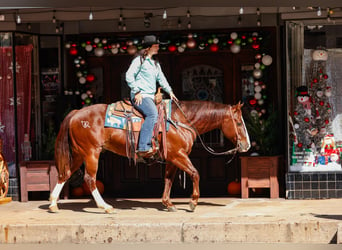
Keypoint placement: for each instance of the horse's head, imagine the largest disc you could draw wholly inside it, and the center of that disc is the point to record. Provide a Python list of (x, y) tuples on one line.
[(234, 128)]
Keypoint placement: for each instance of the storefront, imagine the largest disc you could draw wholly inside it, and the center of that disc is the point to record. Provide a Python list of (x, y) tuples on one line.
[(314, 95)]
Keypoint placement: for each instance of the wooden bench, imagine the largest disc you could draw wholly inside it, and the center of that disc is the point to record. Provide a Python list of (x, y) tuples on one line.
[(38, 176)]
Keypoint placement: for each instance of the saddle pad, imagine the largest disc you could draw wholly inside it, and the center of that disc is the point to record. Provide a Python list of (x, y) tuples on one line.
[(114, 119)]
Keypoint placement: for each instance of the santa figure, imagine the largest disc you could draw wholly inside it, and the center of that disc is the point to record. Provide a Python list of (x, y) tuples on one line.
[(328, 146), (304, 98)]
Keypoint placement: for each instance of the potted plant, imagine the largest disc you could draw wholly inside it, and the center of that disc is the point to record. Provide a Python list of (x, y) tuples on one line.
[(260, 168)]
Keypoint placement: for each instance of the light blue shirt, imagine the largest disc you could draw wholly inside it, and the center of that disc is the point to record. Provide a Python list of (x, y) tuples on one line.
[(142, 75)]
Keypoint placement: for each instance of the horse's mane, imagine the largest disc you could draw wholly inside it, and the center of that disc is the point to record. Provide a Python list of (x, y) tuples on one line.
[(203, 114)]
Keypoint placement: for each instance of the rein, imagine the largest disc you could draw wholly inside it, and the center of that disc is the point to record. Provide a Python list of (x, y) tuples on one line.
[(209, 149)]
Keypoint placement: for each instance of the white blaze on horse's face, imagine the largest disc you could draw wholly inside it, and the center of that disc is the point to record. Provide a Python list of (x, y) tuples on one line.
[(244, 145), (242, 138)]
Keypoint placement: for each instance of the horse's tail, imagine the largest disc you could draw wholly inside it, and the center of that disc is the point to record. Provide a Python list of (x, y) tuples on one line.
[(63, 150)]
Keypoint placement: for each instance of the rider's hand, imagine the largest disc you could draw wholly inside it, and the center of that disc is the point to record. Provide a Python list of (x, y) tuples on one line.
[(173, 97), (138, 98)]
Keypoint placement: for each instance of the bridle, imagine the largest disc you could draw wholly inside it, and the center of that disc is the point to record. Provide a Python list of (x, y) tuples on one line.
[(209, 149)]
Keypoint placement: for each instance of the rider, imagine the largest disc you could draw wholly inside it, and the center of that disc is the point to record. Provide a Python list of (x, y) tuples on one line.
[(142, 77)]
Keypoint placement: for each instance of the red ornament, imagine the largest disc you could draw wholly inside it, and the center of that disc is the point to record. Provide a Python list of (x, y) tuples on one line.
[(306, 119), (73, 51), (214, 47), (295, 113), (300, 145), (172, 48), (315, 80), (321, 103), (90, 78), (234, 187), (252, 102), (256, 46), (326, 121)]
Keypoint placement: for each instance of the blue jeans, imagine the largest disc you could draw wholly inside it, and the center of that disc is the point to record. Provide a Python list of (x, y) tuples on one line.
[(149, 110)]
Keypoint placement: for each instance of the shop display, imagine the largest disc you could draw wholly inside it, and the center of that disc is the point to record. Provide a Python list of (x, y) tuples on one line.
[(313, 141)]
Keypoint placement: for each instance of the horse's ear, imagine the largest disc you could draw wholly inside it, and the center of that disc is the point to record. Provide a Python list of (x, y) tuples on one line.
[(240, 104)]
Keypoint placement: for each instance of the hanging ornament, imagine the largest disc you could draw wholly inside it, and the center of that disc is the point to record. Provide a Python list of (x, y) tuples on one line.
[(256, 45), (99, 52), (84, 96), (296, 126), (257, 88), (257, 96), (319, 93), (88, 48), (321, 103), (252, 102), (114, 50), (258, 56), (320, 55), (96, 40), (172, 48), (306, 119), (191, 43), (233, 35), (90, 78), (267, 60), (234, 48), (328, 92), (214, 47), (325, 76), (82, 80), (323, 131), (257, 73), (73, 51), (132, 49), (300, 145)]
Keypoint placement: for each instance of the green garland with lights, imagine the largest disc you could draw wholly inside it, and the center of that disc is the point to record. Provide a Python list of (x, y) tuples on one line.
[(173, 43)]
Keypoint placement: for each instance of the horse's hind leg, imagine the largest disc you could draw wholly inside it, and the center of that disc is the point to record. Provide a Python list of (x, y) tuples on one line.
[(54, 196), (77, 161), (170, 172), (91, 163)]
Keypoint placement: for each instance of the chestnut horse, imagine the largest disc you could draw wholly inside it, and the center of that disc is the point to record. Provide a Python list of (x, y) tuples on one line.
[(82, 137)]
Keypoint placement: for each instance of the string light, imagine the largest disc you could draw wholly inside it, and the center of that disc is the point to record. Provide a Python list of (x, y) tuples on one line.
[(120, 17), (179, 23), (241, 11), (54, 17), (189, 25), (258, 19), (91, 17), (188, 15), (319, 11), (164, 14), (18, 19), (239, 21)]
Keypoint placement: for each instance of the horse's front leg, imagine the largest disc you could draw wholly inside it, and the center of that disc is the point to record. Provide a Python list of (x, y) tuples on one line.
[(182, 161), (170, 172)]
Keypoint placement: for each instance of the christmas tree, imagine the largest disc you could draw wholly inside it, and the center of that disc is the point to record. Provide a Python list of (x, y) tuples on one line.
[(312, 114)]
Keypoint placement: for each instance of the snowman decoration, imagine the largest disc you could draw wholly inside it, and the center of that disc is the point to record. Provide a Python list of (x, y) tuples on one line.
[(304, 98)]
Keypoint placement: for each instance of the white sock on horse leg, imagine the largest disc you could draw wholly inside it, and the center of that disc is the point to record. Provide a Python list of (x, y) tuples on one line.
[(98, 199), (57, 190)]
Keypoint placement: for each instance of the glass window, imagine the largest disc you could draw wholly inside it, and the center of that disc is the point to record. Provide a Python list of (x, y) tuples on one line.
[(314, 97)]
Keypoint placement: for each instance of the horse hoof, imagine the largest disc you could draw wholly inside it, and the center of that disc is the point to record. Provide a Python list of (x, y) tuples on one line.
[(110, 210), (53, 209), (192, 206), (172, 209)]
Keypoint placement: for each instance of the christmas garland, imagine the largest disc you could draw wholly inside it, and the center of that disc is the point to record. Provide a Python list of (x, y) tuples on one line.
[(177, 43)]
